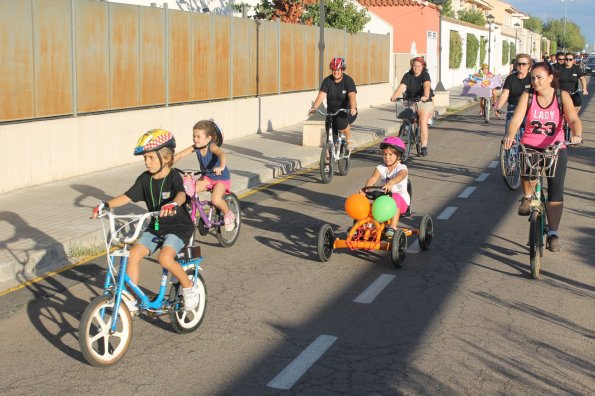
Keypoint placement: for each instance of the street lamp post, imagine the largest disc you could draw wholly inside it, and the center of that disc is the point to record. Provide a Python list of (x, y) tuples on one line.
[(564, 34), (516, 33), (439, 86), (490, 19)]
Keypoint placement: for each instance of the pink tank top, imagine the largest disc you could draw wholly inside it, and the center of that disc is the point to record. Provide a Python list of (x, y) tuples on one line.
[(543, 126)]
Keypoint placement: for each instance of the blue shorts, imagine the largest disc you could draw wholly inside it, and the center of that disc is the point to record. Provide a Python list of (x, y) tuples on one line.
[(171, 240)]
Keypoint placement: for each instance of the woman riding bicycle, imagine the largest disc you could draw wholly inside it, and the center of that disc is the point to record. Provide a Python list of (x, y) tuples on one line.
[(514, 85), (339, 90), (416, 84), (544, 127), (570, 75)]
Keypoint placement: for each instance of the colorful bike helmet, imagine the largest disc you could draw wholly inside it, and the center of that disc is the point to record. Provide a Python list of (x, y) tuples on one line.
[(154, 140), (394, 142), (338, 63)]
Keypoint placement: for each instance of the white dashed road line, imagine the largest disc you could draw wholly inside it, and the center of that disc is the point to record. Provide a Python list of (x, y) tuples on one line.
[(482, 177), (374, 289), (494, 164), (446, 213), (467, 192), (292, 373)]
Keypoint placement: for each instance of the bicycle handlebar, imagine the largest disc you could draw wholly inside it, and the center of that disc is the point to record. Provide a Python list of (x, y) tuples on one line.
[(332, 114), (139, 219), (412, 100)]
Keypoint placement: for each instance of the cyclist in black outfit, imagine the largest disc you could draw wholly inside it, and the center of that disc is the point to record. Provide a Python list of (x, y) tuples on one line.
[(339, 90), (570, 75), (514, 85)]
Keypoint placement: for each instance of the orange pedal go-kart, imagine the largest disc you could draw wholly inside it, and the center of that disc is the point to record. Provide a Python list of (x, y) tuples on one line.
[(370, 221)]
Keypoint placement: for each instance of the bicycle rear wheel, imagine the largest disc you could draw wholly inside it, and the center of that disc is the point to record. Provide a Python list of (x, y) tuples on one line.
[(407, 138), (326, 163), (510, 166), (344, 160), (188, 321), (535, 242)]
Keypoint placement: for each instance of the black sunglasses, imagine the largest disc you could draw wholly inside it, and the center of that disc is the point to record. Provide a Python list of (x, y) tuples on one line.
[(569, 59), (560, 59)]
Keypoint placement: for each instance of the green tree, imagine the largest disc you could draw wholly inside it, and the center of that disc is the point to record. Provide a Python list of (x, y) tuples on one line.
[(512, 51), (533, 24), (570, 38), (338, 14), (447, 9), (290, 11), (475, 17)]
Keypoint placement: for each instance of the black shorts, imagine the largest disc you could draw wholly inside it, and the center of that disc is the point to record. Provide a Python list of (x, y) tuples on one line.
[(577, 99), (341, 122)]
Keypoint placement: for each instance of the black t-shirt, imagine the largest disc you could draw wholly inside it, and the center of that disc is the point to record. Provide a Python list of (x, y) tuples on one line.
[(415, 85), (569, 77), (516, 86), (337, 93), (158, 192)]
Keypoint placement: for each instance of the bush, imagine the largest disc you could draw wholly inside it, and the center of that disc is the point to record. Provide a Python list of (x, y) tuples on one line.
[(512, 51), (505, 52), (472, 16), (456, 50), (472, 49), (483, 49)]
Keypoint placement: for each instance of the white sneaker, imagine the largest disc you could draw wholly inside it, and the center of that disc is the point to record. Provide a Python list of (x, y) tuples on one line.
[(191, 297), (229, 221), (130, 302)]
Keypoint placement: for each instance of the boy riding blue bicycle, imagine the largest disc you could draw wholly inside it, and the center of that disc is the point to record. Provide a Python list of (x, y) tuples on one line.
[(162, 190)]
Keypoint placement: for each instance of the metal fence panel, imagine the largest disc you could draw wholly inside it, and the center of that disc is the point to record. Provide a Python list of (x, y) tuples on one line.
[(221, 41), (16, 61), (268, 67), (92, 56), (241, 65), (202, 56), (152, 56), (52, 54), (179, 56), (124, 56)]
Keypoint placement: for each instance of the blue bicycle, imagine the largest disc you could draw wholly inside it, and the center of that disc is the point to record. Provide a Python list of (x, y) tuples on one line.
[(105, 330)]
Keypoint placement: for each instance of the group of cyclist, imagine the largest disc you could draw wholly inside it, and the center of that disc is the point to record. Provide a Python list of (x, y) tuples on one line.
[(540, 98)]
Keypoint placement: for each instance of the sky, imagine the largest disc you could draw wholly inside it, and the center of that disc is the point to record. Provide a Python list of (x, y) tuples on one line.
[(581, 12)]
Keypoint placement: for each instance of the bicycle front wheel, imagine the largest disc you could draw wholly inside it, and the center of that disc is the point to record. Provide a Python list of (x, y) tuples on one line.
[(510, 166), (487, 104), (405, 133), (101, 347), (228, 238), (535, 242), (326, 163)]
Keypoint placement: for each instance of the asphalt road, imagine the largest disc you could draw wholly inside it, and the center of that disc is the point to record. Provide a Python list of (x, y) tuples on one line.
[(463, 317)]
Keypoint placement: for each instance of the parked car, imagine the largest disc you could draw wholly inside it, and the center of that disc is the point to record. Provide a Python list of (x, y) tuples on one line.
[(590, 66)]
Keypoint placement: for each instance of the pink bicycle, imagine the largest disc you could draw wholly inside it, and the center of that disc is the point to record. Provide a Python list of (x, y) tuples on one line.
[(206, 217)]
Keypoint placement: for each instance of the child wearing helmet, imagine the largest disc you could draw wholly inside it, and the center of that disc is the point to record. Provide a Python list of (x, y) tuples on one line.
[(393, 174), (207, 139), (162, 190)]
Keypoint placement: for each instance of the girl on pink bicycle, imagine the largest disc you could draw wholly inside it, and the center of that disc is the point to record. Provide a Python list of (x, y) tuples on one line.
[(206, 138)]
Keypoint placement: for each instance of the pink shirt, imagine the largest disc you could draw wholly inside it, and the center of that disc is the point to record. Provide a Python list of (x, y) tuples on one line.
[(543, 126)]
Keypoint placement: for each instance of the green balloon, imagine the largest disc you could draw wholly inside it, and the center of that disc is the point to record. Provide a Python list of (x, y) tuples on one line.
[(384, 208)]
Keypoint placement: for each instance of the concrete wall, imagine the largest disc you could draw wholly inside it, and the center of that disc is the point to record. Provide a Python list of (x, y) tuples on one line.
[(453, 77), (41, 151)]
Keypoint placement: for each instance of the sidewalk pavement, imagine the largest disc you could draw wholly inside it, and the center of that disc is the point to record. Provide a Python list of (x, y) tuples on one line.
[(47, 227)]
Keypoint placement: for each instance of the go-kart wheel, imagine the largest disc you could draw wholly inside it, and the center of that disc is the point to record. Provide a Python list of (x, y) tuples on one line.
[(326, 241), (398, 248), (426, 232)]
